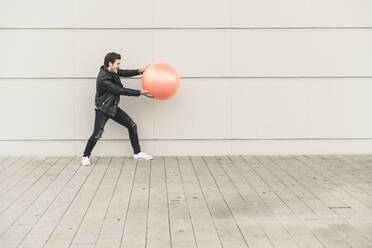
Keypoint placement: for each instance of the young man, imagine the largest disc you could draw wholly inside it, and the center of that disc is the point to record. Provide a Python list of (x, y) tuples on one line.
[(108, 91)]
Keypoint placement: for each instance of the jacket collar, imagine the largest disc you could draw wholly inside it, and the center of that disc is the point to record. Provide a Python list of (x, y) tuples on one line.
[(103, 67), (114, 76)]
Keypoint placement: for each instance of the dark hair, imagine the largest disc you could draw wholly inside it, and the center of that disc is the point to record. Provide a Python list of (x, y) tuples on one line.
[(111, 57)]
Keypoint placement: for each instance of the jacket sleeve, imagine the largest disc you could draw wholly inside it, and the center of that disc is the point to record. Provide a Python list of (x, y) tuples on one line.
[(128, 73), (116, 89)]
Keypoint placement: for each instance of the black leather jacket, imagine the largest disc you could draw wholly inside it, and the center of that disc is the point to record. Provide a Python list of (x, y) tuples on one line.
[(109, 88)]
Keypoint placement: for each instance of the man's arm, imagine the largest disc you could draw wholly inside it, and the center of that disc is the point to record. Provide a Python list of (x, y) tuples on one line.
[(128, 73), (116, 89)]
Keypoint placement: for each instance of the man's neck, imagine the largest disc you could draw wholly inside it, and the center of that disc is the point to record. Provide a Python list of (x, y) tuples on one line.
[(110, 70)]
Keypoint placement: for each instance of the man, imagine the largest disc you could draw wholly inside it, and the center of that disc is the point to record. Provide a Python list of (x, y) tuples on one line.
[(108, 91)]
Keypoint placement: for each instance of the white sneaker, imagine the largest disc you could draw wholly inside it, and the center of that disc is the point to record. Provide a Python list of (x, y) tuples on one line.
[(142, 156), (85, 161)]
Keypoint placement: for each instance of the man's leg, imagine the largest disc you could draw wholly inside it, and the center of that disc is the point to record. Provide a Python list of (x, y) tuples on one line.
[(99, 124), (123, 118)]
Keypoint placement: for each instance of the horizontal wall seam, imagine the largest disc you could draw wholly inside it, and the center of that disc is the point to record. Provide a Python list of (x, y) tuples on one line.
[(181, 28), (267, 139), (201, 77)]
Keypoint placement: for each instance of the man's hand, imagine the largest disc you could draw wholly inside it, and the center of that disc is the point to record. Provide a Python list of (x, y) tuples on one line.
[(143, 69), (146, 93)]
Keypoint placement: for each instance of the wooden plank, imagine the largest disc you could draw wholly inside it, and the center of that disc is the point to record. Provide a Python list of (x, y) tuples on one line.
[(278, 236), (38, 168), (63, 234), (268, 217), (53, 186), (344, 179), (318, 183), (285, 207), (48, 222), (212, 201), (158, 232), (182, 232), (204, 227), (113, 225), (91, 225), (15, 173), (7, 162), (13, 167), (228, 230), (135, 228), (316, 193), (363, 172)]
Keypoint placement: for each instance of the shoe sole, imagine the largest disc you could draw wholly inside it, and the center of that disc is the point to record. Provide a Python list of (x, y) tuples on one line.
[(143, 158)]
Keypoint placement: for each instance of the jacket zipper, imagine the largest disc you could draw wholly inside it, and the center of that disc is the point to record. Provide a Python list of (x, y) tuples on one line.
[(107, 99)]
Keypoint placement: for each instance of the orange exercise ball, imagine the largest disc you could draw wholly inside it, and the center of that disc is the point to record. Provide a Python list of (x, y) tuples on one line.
[(161, 80)]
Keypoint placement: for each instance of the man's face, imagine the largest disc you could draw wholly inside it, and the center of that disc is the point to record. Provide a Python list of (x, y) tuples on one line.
[(114, 67)]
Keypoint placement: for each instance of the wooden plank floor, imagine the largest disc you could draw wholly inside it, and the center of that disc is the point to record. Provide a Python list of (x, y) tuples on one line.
[(212, 202)]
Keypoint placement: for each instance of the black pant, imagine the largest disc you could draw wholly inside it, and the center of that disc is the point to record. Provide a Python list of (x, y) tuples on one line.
[(122, 118)]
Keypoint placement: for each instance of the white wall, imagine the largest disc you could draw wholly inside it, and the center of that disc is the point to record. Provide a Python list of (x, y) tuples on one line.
[(258, 76)]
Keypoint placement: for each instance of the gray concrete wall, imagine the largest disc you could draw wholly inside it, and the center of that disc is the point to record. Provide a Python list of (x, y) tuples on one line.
[(258, 77)]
